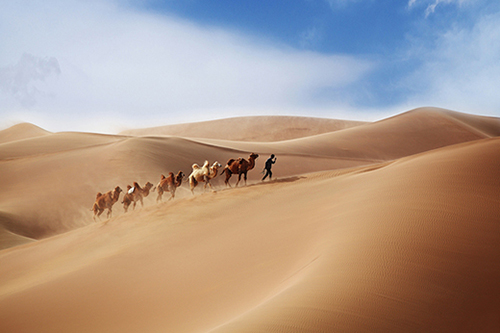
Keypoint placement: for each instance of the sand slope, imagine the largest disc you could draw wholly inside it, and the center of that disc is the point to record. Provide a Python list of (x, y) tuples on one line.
[(408, 244), (51, 180), (20, 132), (257, 128)]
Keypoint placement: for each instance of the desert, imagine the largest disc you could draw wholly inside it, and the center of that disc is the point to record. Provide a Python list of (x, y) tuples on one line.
[(382, 226)]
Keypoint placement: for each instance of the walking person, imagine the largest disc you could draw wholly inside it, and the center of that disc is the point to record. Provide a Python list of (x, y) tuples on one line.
[(268, 166)]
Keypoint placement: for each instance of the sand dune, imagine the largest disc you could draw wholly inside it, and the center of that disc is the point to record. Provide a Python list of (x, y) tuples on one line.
[(254, 129), (390, 226), (20, 132)]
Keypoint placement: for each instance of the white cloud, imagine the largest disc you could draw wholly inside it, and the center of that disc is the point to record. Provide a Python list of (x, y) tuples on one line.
[(462, 72), (19, 81), (144, 68)]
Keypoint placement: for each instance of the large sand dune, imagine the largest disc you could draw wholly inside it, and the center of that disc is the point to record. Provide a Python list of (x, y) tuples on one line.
[(390, 226), (256, 128)]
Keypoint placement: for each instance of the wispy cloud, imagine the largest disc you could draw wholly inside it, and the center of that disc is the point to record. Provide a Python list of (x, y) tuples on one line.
[(19, 81), (149, 68), (462, 69), (335, 4), (432, 4)]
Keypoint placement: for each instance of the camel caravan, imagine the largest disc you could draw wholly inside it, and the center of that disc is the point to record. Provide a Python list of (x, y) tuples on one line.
[(199, 174)]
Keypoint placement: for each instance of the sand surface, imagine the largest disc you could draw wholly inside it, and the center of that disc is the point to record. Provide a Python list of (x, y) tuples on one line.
[(390, 226)]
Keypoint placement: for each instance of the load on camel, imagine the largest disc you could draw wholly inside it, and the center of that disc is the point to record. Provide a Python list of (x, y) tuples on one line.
[(169, 183), (203, 174), (135, 193), (105, 201), (239, 166)]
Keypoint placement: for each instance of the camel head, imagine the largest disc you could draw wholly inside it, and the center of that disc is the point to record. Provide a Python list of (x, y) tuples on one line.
[(214, 169), (254, 156), (179, 178), (215, 166), (118, 189), (148, 185)]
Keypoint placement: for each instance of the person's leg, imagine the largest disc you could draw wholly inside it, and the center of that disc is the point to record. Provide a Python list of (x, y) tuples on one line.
[(267, 174)]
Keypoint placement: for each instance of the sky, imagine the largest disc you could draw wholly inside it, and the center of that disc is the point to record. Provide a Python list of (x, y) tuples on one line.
[(109, 65)]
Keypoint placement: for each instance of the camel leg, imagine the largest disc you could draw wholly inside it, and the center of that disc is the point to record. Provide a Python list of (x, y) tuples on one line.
[(239, 178), (192, 184), (160, 194), (172, 194), (206, 181), (99, 213), (228, 175)]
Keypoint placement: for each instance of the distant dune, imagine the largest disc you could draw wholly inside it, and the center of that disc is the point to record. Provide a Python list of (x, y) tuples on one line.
[(389, 226), (254, 129), (20, 132)]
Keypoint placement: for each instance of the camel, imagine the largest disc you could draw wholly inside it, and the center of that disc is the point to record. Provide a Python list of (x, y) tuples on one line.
[(134, 194), (240, 167), (203, 174), (105, 201), (170, 183)]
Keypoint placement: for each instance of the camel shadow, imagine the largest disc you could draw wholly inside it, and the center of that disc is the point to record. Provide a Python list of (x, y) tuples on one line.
[(278, 180)]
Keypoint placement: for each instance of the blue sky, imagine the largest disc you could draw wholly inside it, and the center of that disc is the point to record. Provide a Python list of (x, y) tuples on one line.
[(107, 65)]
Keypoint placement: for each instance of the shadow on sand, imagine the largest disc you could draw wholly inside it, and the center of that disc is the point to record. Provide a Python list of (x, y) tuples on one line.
[(278, 180)]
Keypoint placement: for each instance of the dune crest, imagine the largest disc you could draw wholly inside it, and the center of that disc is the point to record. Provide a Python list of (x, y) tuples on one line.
[(253, 129), (21, 131)]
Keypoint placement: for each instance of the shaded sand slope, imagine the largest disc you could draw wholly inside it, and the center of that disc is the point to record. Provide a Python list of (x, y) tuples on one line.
[(257, 128), (50, 182), (406, 134), (405, 246)]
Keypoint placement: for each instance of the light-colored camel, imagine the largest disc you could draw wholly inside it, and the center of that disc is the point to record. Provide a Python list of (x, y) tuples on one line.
[(134, 194), (105, 201), (203, 174), (239, 166), (169, 183)]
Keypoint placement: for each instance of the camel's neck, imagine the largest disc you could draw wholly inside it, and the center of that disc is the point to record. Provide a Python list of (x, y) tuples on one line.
[(213, 172), (251, 162), (115, 196)]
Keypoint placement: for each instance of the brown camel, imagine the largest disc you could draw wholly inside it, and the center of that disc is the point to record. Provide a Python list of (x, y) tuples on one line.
[(203, 174), (105, 201), (170, 183), (134, 194), (239, 167)]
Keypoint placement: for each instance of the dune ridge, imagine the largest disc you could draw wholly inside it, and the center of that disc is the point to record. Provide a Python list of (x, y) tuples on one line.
[(21, 131), (389, 226), (255, 128)]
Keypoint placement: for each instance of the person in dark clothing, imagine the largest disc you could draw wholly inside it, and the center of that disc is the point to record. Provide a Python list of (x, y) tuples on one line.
[(267, 167)]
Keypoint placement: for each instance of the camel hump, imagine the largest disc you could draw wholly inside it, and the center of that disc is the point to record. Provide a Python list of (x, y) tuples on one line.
[(98, 195), (195, 166), (230, 161)]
